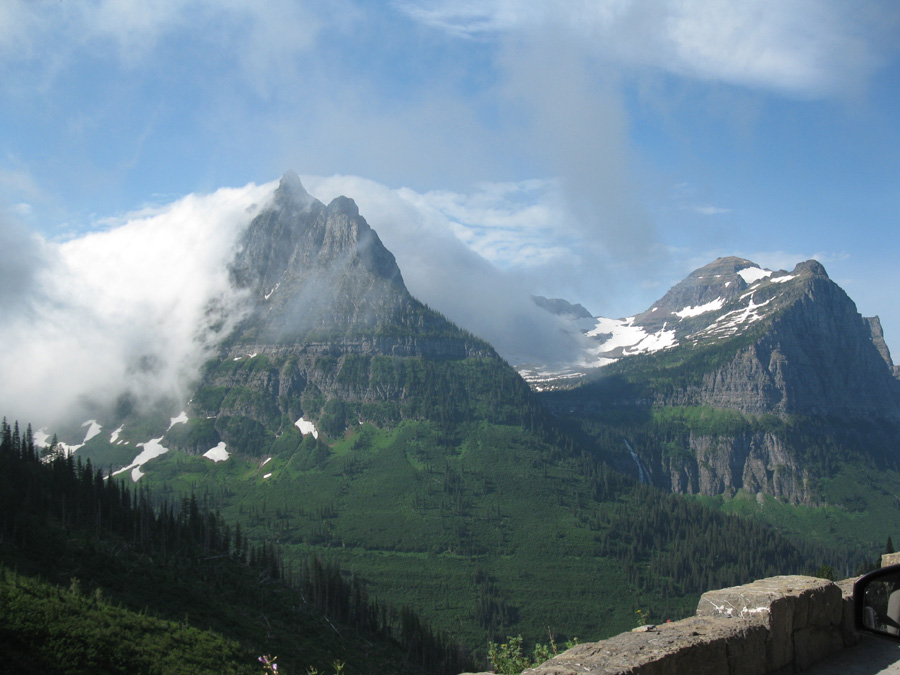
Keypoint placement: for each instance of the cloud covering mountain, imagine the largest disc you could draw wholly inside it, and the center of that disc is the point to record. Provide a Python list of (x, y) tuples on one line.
[(136, 308), (132, 309)]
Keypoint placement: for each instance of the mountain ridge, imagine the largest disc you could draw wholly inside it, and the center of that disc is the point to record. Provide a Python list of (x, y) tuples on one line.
[(733, 298), (744, 379)]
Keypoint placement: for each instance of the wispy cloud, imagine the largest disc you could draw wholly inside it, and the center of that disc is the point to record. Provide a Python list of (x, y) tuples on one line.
[(809, 48), (512, 225), (483, 287), (263, 38), (709, 210)]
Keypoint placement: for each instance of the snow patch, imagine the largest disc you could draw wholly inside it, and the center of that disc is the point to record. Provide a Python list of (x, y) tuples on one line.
[(65, 449), (654, 342), (92, 431), (152, 449), (627, 338), (266, 476), (41, 438), (713, 306), (269, 294), (267, 460), (307, 427), (785, 278), (728, 324), (218, 453), (114, 436), (546, 378), (753, 274), (181, 419)]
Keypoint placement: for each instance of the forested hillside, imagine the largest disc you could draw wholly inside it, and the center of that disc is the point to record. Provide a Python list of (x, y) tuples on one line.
[(95, 577), (494, 533)]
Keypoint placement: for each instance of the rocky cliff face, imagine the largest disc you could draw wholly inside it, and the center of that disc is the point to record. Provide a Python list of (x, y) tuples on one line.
[(332, 332), (760, 463), (311, 267), (877, 334), (812, 355), (733, 336)]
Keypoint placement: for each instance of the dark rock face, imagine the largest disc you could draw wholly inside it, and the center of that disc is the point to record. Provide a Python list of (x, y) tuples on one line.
[(791, 345), (330, 319), (814, 356), (877, 334), (787, 343), (310, 266), (756, 462)]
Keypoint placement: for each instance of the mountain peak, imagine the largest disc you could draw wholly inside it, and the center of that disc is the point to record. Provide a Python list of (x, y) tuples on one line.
[(308, 265), (814, 267), (344, 205), (290, 190), (726, 265), (562, 307)]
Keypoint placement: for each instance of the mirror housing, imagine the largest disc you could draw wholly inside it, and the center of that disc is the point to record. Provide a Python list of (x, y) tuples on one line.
[(876, 602)]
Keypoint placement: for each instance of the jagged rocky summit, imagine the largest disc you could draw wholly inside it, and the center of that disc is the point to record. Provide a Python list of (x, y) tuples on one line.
[(332, 334), (775, 341), (321, 279), (312, 268)]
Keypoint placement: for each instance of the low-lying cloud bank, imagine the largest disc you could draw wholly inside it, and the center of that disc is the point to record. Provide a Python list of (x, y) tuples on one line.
[(136, 307), (131, 309)]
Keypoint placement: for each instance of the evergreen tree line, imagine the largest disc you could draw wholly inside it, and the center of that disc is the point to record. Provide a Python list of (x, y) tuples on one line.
[(38, 493), (671, 546)]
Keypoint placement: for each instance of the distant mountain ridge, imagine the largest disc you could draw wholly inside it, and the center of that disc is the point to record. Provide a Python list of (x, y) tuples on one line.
[(744, 371), (811, 353)]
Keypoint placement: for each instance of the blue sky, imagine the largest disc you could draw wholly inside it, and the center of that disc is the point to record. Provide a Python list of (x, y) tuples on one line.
[(597, 151)]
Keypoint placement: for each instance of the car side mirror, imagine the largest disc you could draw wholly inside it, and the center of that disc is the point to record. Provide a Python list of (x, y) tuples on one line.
[(876, 602)]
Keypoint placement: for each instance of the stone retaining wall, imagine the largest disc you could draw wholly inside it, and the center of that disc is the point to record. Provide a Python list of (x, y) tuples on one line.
[(777, 625)]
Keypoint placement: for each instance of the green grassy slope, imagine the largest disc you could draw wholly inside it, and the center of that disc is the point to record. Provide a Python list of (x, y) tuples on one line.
[(498, 534)]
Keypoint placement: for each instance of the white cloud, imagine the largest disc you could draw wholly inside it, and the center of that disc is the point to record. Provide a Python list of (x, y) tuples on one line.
[(575, 120), (807, 47), (460, 280), (709, 210), (132, 309), (262, 37), (513, 224)]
